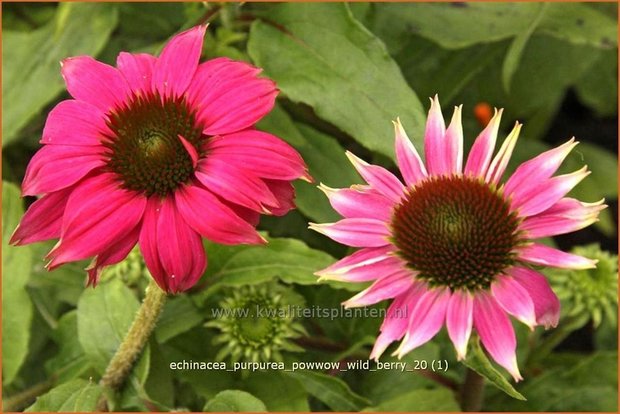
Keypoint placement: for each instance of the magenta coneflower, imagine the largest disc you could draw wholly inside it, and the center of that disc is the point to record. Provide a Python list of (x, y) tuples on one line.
[(454, 245), (157, 151)]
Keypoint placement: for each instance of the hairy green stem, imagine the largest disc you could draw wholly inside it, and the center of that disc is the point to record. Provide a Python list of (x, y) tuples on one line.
[(24, 398), (130, 349), (472, 391)]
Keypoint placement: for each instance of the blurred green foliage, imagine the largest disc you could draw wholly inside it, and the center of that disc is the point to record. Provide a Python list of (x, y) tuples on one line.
[(344, 71)]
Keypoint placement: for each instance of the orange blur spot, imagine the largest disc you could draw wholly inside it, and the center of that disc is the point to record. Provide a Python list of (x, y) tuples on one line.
[(483, 113)]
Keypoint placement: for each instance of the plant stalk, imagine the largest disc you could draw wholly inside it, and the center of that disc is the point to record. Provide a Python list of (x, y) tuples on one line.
[(472, 391)]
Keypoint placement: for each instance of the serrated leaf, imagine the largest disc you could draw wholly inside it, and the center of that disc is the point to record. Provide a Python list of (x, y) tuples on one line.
[(30, 60), (234, 401), (77, 395), (332, 391), (478, 361), (17, 310), (321, 56)]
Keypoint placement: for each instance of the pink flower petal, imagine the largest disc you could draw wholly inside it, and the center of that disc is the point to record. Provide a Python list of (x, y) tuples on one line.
[(459, 320), (115, 254), (230, 95), (148, 242), (453, 145), (537, 169), (396, 320), (43, 219), (55, 167), (357, 203), (75, 123), (500, 162), (174, 69), (236, 185), (368, 272), (191, 151), (285, 196), (548, 256), (565, 216), (94, 82), (426, 320), (544, 195), (411, 166), (514, 299), (264, 154), (387, 287), (434, 139), (98, 214), (356, 232), (180, 249), (362, 257), (212, 219), (379, 178), (496, 333), (481, 152), (546, 303), (137, 69)]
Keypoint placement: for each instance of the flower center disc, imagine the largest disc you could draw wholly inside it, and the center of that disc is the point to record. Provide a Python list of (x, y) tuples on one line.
[(456, 231), (145, 149)]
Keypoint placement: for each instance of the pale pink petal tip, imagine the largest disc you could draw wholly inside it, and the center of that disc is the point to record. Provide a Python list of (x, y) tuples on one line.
[(378, 178), (548, 256), (459, 321), (514, 299), (454, 142), (500, 162), (409, 162), (482, 150)]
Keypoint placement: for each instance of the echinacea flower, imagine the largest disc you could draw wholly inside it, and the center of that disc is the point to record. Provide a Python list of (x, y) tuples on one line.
[(454, 244), (157, 151)]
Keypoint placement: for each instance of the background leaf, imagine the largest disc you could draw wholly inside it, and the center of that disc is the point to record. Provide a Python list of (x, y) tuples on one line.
[(75, 396), (234, 401)]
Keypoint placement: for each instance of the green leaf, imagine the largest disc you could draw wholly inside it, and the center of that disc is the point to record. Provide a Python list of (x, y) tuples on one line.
[(179, 315), (321, 56), (76, 396), (104, 316), (30, 70), (332, 391), (598, 87), (478, 361), (515, 51), (420, 400), (277, 391), (17, 307), (451, 24), (325, 158), (234, 401), (580, 24), (70, 362)]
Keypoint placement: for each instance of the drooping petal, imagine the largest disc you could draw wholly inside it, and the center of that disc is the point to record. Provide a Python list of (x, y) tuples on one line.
[(514, 299), (434, 139), (396, 320), (74, 122), (284, 193), (549, 256), (387, 287), (459, 320), (546, 303), (148, 243), (94, 82), (481, 152), (212, 219), (454, 143), (379, 178), (500, 162), (362, 257), (116, 253), (357, 203), (43, 219), (542, 196), (55, 167), (236, 185), (367, 272), (137, 69), (180, 248), (264, 154), (174, 69), (426, 320), (496, 333), (548, 224), (537, 169), (98, 214), (230, 96), (355, 232), (411, 166)]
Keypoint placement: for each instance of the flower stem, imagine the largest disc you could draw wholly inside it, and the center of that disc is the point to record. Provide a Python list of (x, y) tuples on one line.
[(139, 332), (22, 400), (472, 391)]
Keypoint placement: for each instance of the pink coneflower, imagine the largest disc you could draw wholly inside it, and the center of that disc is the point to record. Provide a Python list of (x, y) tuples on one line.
[(157, 151), (452, 244)]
